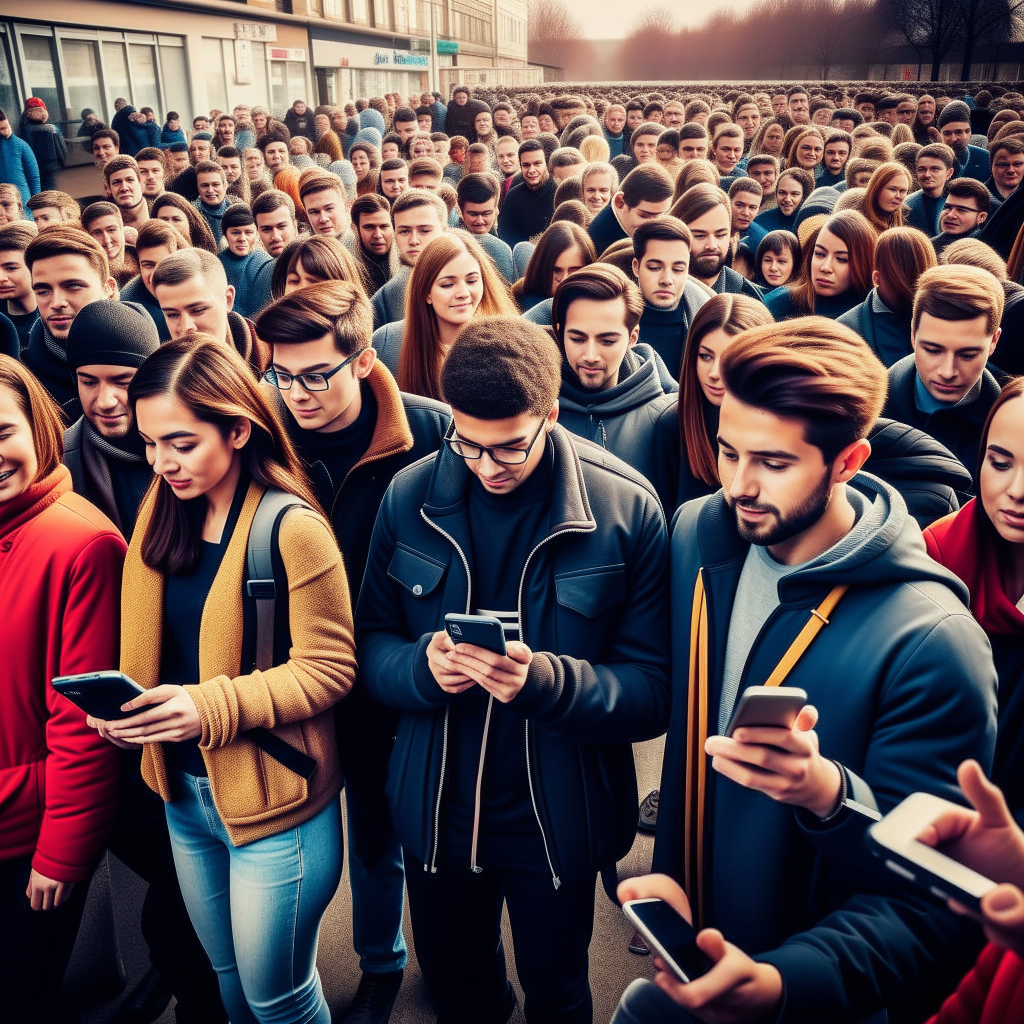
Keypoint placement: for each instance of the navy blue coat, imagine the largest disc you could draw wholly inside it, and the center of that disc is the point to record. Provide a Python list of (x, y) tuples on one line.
[(593, 608), (906, 689)]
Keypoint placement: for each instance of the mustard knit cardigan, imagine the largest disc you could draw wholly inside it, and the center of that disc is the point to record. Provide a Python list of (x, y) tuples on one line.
[(255, 795)]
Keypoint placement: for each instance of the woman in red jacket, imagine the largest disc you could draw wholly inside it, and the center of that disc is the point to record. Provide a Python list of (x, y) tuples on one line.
[(60, 575)]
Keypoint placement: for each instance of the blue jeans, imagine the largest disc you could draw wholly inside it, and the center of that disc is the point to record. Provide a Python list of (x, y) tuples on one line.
[(257, 908)]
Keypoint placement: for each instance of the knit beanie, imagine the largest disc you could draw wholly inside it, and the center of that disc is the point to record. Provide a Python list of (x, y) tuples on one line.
[(34, 101), (347, 173), (178, 147), (202, 137), (237, 215), (370, 118), (956, 111), (111, 333), (370, 135), (820, 201)]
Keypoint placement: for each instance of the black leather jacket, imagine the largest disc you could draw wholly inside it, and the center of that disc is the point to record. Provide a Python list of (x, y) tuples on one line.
[(593, 608)]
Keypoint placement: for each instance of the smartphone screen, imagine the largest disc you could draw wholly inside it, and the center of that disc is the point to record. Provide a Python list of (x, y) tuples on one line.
[(674, 933)]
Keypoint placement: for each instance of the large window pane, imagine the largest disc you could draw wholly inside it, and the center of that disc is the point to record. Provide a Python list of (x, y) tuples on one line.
[(216, 84), (360, 10), (175, 81), (40, 73), (144, 77), (82, 79), (115, 65), (8, 101), (381, 14)]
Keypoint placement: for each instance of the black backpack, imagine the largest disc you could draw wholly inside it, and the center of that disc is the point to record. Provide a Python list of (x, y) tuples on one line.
[(264, 581)]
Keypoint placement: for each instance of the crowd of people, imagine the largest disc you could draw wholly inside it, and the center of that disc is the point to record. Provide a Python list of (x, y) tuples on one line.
[(658, 381)]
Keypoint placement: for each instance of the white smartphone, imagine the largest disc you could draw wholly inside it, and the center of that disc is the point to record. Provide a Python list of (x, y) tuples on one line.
[(670, 935), (895, 840), (775, 706)]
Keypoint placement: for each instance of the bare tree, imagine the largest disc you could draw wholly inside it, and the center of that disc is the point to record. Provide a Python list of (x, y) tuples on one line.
[(651, 49), (988, 22), (554, 32), (930, 26)]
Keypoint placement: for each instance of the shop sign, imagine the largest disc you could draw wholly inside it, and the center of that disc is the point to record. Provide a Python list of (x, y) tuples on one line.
[(259, 30), (286, 53)]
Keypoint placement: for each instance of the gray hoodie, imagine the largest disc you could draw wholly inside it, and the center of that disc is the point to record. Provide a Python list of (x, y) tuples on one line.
[(622, 419)]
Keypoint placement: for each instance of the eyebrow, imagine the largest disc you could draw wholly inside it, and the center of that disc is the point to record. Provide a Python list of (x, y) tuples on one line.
[(992, 448), (308, 369), (175, 434), (500, 444), (602, 334), (7, 426), (764, 454)]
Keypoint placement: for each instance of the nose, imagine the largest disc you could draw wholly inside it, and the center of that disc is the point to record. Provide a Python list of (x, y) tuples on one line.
[(713, 373), (163, 462), (948, 367), (743, 484)]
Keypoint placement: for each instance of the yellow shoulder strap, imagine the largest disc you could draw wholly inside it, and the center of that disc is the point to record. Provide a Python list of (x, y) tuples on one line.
[(697, 728)]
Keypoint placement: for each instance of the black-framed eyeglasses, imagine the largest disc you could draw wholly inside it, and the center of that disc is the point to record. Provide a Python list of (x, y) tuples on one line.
[(310, 381), (504, 456)]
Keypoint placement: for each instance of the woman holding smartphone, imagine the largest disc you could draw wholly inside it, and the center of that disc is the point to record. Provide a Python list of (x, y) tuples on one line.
[(60, 577), (256, 846), (983, 544)]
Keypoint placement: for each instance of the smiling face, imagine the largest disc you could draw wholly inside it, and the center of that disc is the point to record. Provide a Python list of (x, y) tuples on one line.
[(103, 392), (109, 232), (19, 465), (212, 187), (513, 433), (534, 168), (508, 156), (479, 217), (597, 191), (596, 340), (950, 355), (961, 215), (744, 207), (932, 175), (663, 271), (1007, 170), (457, 290), (62, 286), (393, 183), (192, 456), (1001, 484), (615, 120), (764, 175), (809, 152), (16, 281), (727, 153), (789, 194)]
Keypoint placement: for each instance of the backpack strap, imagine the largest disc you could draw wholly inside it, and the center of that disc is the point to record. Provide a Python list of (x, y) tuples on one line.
[(262, 587), (697, 727)]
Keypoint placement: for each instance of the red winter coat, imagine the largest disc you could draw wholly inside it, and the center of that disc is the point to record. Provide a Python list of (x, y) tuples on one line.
[(60, 583), (992, 993)]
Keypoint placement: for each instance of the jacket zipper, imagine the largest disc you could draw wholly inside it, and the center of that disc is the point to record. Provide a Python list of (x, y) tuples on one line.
[(473, 866), (555, 880), (432, 867)]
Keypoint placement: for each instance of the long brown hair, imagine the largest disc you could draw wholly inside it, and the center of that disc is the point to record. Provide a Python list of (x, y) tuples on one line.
[(1013, 388), (853, 228), (42, 412), (881, 177), (557, 238), (421, 358), (200, 234), (732, 314), (901, 257), (215, 384)]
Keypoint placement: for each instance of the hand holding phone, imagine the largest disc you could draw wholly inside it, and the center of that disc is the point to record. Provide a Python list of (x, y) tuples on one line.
[(484, 631), (100, 694), (500, 668), (771, 706), (670, 935)]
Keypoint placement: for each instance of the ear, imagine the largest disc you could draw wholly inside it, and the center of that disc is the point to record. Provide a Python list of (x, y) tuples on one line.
[(636, 267), (552, 417), (850, 460), (240, 433), (634, 336), (876, 278), (110, 288), (619, 201), (364, 364), (995, 340), (229, 296), (982, 217)]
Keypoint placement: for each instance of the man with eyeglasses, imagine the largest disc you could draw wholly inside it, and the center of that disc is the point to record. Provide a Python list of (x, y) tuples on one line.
[(512, 776), (966, 208), (354, 431)]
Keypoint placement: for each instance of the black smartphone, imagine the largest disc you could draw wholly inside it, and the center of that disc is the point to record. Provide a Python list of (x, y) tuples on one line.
[(775, 706), (480, 630), (894, 840), (670, 935), (100, 694)]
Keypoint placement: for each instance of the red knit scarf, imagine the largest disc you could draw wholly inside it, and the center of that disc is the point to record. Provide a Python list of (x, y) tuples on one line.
[(33, 500)]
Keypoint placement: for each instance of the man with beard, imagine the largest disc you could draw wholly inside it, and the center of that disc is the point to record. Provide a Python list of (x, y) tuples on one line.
[(69, 270), (613, 389), (705, 210), (800, 541), (373, 238), (955, 129)]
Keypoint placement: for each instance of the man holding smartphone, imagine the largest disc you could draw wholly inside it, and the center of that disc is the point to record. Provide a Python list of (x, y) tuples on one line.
[(512, 778), (901, 684)]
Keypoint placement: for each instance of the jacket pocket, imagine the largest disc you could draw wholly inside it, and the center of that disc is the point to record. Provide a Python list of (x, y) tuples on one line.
[(591, 592), (419, 574)]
